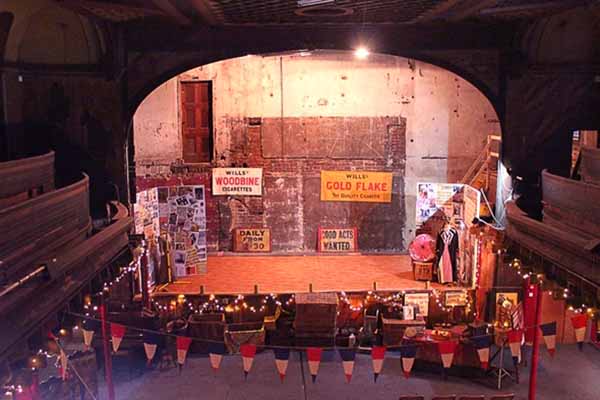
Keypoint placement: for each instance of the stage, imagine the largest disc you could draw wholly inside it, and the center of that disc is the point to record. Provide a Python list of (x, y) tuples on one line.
[(238, 274)]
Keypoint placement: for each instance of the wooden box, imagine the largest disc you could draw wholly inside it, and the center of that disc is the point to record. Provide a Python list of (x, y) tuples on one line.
[(423, 271)]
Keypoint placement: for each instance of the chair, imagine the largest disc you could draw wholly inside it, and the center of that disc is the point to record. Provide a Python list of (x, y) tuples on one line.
[(270, 321), (472, 397), (508, 396), (410, 397), (447, 397)]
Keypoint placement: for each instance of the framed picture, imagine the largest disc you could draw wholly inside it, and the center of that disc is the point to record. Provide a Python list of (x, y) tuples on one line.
[(501, 302), (418, 300), (455, 298)]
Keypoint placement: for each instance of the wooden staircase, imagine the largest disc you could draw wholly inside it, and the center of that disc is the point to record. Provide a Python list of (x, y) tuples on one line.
[(483, 173)]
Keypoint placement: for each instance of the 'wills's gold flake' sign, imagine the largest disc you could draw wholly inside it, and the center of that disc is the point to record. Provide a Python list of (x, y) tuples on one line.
[(375, 187), (252, 240), (335, 240)]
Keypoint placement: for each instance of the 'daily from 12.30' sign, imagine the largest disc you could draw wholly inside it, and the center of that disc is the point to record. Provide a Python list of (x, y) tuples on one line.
[(375, 187), (237, 181)]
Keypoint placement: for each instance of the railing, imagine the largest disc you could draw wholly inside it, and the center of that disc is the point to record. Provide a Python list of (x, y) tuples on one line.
[(482, 162), (19, 177), (32, 229)]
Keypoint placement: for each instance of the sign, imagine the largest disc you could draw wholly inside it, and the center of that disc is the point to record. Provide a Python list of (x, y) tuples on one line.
[(373, 187), (472, 201), (420, 300), (455, 298), (237, 181), (252, 240), (338, 240)]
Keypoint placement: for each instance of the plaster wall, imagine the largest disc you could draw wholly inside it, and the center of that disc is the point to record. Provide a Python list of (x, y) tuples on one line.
[(437, 124)]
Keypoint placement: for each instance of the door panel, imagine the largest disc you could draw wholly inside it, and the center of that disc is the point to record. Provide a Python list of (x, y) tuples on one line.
[(196, 121)]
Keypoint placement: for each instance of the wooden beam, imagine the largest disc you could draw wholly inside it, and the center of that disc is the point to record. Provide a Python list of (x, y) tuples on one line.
[(436, 12), (168, 8), (471, 9), (204, 11)]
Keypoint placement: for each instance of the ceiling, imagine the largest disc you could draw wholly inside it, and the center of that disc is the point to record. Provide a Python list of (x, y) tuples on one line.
[(276, 12)]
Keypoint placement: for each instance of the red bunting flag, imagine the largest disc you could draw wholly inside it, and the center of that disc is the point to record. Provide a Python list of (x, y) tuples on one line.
[(377, 355), (515, 337), (117, 332), (580, 325), (314, 359), (447, 349), (183, 344), (248, 352)]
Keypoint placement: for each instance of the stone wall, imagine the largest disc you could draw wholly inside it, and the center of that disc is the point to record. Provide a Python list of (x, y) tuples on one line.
[(296, 115)]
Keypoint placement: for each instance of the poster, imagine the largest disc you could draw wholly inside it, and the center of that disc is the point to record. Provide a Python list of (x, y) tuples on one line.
[(472, 201), (252, 240), (420, 301), (455, 298), (237, 181), (337, 240), (440, 201), (356, 186)]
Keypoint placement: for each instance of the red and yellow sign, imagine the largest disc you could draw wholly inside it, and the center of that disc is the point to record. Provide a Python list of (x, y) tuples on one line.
[(252, 240), (374, 187), (338, 240)]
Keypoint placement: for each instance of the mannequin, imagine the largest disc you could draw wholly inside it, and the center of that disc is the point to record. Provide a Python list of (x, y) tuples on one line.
[(446, 250)]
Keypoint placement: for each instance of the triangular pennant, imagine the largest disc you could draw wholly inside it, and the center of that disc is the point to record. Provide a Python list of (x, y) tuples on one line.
[(247, 351), (63, 365), (348, 356), (483, 344), (549, 335), (88, 336), (408, 354), (282, 356), (183, 344), (117, 332), (314, 359), (579, 325), (447, 349), (377, 356), (515, 337), (151, 341), (215, 354)]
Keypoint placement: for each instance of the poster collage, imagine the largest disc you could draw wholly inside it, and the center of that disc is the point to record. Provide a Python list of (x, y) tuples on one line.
[(177, 213)]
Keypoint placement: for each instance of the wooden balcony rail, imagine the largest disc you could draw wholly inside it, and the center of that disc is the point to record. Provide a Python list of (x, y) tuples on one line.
[(32, 229), (26, 178)]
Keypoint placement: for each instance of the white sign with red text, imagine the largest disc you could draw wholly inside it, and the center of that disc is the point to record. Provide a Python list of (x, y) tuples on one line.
[(237, 181)]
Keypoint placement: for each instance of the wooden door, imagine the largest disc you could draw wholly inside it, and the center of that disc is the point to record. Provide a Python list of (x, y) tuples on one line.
[(196, 121)]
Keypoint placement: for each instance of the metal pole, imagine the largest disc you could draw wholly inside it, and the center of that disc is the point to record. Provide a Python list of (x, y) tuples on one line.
[(107, 358), (536, 342), (144, 275)]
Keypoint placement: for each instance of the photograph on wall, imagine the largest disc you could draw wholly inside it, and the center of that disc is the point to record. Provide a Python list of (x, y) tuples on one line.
[(418, 300)]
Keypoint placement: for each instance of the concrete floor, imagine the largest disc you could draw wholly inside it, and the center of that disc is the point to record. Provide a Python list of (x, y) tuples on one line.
[(571, 375)]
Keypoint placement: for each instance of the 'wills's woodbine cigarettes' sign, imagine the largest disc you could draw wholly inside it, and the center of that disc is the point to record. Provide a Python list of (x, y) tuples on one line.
[(237, 181)]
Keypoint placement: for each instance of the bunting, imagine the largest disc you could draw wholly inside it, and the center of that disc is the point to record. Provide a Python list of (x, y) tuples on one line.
[(348, 356), (314, 359), (248, 352), (377, 355), (117, 332), (580, 325), (89, 327), (482, 344), (515, 337), (282, 357), (549, 335), (447, 349), (183, 345), (151, 341), (215, 354), (408, 354)]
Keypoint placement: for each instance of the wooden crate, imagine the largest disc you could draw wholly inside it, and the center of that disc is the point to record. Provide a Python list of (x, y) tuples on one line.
[(422, 271)]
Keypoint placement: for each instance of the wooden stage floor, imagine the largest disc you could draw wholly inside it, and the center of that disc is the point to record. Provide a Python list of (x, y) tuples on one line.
[(237, 274)]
